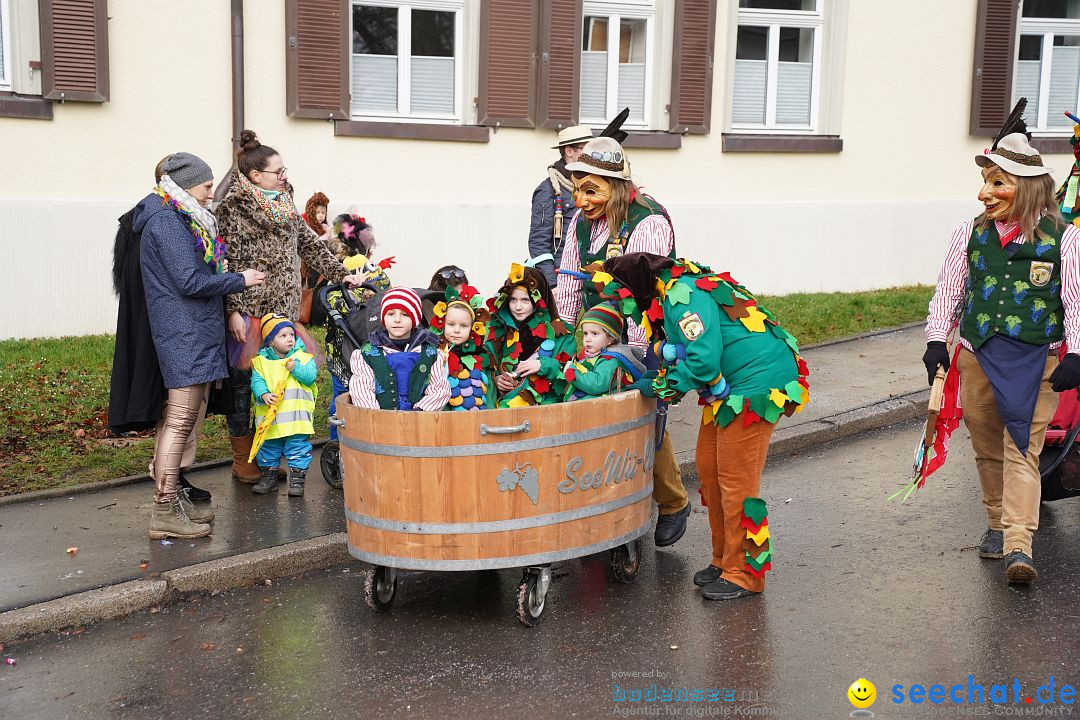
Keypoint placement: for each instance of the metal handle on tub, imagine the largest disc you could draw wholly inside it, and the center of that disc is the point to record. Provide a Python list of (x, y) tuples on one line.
[(486, 429), (336, 421)]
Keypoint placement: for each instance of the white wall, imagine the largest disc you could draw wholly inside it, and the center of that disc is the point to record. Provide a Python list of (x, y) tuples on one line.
[(875, 215)]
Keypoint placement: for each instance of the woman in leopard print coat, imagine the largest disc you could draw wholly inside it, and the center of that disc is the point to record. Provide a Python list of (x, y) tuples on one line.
[(264, 231)]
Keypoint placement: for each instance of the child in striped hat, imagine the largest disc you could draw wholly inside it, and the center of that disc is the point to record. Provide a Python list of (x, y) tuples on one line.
[(400, 367), (602, 365)]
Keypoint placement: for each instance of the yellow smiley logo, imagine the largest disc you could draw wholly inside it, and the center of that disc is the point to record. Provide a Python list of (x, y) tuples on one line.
[(862, 693)]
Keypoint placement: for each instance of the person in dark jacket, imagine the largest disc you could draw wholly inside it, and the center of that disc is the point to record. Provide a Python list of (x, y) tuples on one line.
[(553, 204), (136, 388), (184, 278)]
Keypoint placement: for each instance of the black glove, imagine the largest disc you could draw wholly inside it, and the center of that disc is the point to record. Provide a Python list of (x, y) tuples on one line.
[(936, 354), (1067, 374), (644, 384)]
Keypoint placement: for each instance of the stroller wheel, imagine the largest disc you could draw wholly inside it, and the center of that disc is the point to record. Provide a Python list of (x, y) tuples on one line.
[(380, 588), (330, 464), (626, 561)]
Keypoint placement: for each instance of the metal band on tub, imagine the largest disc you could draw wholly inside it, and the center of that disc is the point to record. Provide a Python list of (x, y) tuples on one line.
[(475, 528), (500, 562), (435, 451)]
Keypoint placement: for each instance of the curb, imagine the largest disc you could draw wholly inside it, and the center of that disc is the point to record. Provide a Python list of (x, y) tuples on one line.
[(807, 436), (51, 493), (125, 598), (329, 551)]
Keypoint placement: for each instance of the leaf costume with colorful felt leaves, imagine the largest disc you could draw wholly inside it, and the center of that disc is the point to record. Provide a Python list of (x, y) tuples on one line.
[(717, 340), (468, 366), (598, 376), (505, 347)]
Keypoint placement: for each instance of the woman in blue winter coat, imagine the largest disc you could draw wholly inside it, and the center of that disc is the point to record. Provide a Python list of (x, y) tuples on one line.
[(185, 277)]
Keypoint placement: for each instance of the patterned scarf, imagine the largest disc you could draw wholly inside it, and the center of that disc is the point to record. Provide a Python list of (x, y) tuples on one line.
[(199, 220), (281, 209)]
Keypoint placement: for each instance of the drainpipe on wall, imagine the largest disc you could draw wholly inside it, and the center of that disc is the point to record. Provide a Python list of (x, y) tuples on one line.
[(237, 21)]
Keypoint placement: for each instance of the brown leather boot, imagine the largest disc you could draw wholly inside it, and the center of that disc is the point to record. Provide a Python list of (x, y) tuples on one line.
[(242, 470)]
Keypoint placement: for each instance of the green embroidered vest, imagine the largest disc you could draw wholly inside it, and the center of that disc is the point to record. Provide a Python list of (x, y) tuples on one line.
[(1018, 296), (616, 242), (386, 382)]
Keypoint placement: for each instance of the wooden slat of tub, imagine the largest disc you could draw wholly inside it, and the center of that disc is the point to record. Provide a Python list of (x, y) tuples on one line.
[(511, 544), (433, 489)]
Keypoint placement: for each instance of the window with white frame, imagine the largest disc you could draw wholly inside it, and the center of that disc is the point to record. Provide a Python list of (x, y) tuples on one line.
[(1048, 64), (777, 66), (5, 46), (407, 59), (616, 61)]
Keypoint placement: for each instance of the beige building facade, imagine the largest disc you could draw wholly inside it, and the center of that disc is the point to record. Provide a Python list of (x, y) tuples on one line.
[(830, 143)]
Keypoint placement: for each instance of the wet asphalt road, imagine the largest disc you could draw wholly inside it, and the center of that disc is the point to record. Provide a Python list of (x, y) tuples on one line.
[(862, 588)]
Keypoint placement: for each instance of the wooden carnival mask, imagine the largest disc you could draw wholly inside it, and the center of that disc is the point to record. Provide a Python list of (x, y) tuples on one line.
[(998, 194), (591, 194)]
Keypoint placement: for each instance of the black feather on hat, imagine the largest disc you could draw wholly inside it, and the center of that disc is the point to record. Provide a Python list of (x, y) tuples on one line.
[(1014, 123), (614, 129)]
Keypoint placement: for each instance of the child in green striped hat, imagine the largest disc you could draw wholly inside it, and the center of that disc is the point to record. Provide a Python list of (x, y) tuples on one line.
[(602, 364)]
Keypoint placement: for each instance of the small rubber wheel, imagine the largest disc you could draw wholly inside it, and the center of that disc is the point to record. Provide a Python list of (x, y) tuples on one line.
[(623, 567), (330, 464), (530, 601), (380, 588)]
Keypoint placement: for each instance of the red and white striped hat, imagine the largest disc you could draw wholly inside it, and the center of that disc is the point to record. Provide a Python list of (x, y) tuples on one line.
[(402, 298)]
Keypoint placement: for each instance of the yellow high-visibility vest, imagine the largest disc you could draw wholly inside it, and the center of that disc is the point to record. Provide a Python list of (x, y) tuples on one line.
[(296, 407)]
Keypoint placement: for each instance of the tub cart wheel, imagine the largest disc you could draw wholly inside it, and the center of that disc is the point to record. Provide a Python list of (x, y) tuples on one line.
[(380, 588), (330, 464), (532, 592), (626, 561)]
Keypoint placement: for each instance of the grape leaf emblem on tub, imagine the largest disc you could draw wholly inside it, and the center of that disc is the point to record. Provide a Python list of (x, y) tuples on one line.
[(522, 476)]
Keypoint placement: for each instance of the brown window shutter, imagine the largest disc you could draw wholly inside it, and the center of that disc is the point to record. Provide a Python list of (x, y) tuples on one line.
[(507, 63), (74, 50), (995, 56), (317, 59), (692, 66), (560, 62)]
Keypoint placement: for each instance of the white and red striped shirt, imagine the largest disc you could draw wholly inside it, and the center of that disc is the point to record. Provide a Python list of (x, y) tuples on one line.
[(944, 312), (362, 383), (652, 235)]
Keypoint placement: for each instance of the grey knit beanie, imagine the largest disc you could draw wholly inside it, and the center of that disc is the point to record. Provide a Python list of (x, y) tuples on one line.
[(187, 170)]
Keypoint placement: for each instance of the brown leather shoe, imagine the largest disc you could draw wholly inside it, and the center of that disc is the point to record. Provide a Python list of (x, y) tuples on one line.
[(242, 470)]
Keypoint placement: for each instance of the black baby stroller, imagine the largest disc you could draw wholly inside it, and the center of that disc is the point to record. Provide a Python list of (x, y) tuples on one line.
[(352, 315), (1059, 463)]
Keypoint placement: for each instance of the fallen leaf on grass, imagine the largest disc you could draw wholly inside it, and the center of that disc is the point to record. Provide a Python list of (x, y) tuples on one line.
[(208, 646), (80, 433), (72, 550)]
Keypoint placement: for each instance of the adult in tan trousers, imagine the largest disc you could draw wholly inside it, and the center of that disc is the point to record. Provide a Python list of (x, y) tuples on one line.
[(1010, 282)]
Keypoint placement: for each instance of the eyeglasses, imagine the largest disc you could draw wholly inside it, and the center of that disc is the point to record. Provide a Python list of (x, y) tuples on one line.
[(455, 273), (279, 173)]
